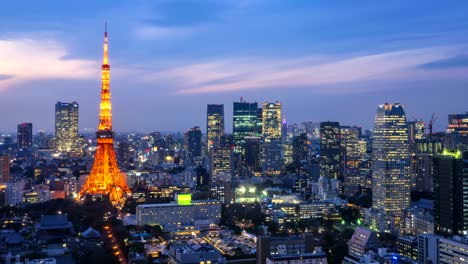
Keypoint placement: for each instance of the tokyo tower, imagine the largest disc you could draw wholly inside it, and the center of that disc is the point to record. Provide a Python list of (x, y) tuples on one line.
[(105, 177)]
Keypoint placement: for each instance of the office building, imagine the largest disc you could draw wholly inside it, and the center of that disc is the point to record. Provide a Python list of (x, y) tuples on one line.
[(193, 144), (391, 180), (14, 192), (272, 246), (351, 158), (4, 168), (244, 123), (428, 248), (66, 127), (300, 149), (271, 147), (303, 258), (451, 193), (214, 124), (453, 251), (457, 132), (330, 150), (416, 131), (221, 160), (252, 154), (24, 135), (182, 213), (458, 123), (362, 241), (407, 246)]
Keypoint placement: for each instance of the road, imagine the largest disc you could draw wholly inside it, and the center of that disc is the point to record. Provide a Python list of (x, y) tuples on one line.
[(116, 249)]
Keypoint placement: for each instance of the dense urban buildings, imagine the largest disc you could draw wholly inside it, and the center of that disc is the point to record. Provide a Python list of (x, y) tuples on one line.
[(171, 182), (391, 182), (66, 128)]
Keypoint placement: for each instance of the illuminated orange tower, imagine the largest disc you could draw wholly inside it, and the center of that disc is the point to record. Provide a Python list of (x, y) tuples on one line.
[(105, 177)]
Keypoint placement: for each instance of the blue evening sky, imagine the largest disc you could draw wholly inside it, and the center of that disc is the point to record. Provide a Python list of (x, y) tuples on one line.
[(324, 60)]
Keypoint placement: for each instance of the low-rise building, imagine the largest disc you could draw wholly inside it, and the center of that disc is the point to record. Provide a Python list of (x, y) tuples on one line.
[(184, 212), (304, 258)]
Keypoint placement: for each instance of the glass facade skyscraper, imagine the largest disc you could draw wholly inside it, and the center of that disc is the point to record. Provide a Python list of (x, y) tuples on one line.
[(214, 124), (271, 149), (330, 149), (391, 180), (244, 123), (66, 127)]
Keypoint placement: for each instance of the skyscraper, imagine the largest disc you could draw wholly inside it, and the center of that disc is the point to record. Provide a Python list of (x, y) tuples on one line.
[(391, 181), (415, 130), (300, 149), (271, 149), (221, 158), (66, 127), (244, 123), (451, 193), (252, 154), (105, 177), (193, 144), (24, 135), (214, 124), (457, 132), (350, 159), (4, 168), (330, 149)]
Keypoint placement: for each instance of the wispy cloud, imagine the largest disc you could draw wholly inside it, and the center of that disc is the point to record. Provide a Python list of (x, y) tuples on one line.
[(315, 72), (146, 32), (28, 59)]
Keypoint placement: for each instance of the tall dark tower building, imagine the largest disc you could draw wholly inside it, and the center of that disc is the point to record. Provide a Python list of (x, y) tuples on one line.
[(214, 124), (391, 179), (451, 193), (4, 168), (244, 123), (300, 148), (252, 154), (24, 135), (193, 141), (66, 127), (330, 150)]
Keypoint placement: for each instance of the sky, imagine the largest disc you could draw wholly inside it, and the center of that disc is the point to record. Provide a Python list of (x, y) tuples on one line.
[(323, 60)]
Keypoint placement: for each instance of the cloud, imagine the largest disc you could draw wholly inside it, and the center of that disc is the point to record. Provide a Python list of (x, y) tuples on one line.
[(146, 32), (28, 59), (315, 72), (454, 62)]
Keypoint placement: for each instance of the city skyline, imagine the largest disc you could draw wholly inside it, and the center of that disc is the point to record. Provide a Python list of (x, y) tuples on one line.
[(173, 58)]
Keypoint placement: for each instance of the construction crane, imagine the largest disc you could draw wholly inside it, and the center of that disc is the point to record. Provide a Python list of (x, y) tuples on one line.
[(431, 123)]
